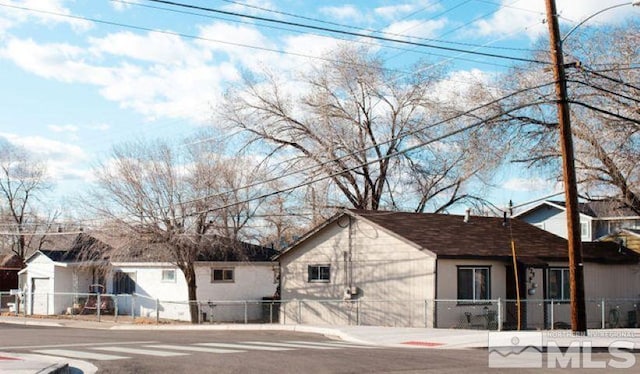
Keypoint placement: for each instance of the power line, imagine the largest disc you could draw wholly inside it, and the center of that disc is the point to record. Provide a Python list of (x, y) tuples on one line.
[(394, 154), (174, 33), (414, 50), (319, 28), (371, 30), (604, 90), (317, 166), (604, 111)]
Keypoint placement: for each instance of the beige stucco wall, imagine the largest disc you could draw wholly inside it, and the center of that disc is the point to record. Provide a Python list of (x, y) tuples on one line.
[(618, 285), (393, 279), (450, 313)]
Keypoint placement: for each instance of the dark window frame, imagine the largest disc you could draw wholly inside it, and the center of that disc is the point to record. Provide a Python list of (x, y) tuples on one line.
[(319, 273), (223, 275), (564, 290), (475, 299)]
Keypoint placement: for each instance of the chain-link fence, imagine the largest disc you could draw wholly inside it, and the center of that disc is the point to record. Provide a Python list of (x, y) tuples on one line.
[(497, 314)]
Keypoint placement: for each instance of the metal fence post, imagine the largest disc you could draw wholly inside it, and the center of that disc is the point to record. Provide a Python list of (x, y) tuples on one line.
[(426, 313), (98, 305), (115, 308), (551, 314), (157, 311), (603, 314), (246, 315), (271, 312), (17, 310), (499, 314)]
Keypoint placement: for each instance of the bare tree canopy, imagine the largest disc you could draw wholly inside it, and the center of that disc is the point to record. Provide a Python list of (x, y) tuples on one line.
[(22, 183), (604, 94), (173, 202), (352, 121)]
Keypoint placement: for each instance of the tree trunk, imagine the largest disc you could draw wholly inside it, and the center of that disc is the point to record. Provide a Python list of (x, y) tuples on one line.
[(190, 276)]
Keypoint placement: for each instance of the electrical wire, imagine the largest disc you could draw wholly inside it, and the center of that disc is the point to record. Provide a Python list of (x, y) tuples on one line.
[(318, 28), (355, 152), (604, 111), (394, 154), (173, 33)]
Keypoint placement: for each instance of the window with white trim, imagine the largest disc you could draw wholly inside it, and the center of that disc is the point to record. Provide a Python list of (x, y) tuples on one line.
[(474, 283), (558, 284), (319, 273), (169, 275), (222, 275), (584, 230)]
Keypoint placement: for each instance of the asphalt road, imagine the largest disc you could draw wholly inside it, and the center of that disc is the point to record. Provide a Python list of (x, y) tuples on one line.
[(117, 351)]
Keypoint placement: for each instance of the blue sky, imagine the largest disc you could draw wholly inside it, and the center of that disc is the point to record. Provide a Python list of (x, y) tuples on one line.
[(74, 83)]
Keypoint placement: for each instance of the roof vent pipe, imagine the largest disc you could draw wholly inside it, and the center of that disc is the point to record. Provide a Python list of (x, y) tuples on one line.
[(467, 215)]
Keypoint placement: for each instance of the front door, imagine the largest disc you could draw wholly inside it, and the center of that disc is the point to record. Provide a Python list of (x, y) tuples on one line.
[(39, 295)]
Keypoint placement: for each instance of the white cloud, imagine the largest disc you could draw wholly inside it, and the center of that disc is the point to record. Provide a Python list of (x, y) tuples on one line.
[(417, 28), (459, 87), (528, 184), (122, 5), (523, 16), (99, 127), (152, 47), (64, 161), (63, 128), (393, 11), (162, 89), (345, 12), (47, 12)]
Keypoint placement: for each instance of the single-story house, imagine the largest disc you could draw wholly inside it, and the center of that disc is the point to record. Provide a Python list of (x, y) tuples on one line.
[(10, 265), (436, 270), (59, 281)]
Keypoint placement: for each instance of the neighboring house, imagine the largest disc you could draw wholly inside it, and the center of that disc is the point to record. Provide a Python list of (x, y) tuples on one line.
[(597, 218), (10, 265), (435, 270), (629, 238), (142, 283)]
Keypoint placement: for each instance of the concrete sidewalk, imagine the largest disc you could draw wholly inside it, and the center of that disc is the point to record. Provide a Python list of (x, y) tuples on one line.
[(424, 338)]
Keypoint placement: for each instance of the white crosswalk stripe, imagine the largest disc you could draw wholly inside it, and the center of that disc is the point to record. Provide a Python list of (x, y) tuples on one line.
[(246, 346), (192, 348), (79, 354), (291, 345), (339, 345), (138, 351), (171, 350)]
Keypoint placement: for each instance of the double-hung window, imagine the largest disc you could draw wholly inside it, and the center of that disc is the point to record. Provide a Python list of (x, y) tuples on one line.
[(558, 284), (319, 273), (222, 275), (474, 283)]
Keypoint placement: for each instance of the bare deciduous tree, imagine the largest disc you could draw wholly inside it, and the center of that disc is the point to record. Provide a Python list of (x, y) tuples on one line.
[(351, 120), (604, 98), (22, 183), (174, 205)]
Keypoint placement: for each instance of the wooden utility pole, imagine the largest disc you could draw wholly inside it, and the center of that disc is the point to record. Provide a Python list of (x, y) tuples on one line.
[(576, 266)]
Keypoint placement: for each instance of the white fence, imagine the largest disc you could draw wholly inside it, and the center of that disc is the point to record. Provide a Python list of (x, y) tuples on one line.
[(462, 314)]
